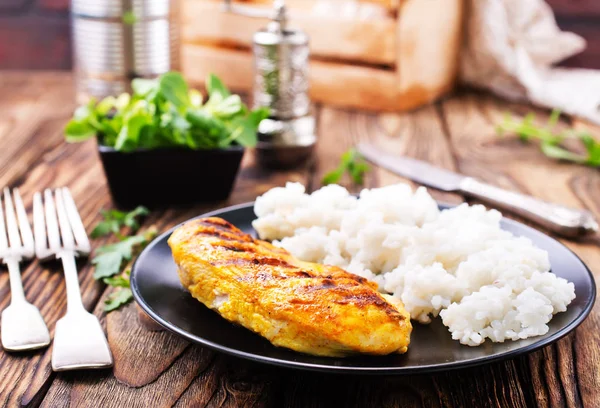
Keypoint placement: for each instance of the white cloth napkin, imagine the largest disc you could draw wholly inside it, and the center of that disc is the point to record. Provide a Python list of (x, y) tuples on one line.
[(510, 48)]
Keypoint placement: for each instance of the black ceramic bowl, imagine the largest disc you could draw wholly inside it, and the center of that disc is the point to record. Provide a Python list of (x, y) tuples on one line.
[(165, 177)]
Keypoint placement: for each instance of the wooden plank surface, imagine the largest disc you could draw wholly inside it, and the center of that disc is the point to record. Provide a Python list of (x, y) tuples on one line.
[(370, 40), (155, 368), (351, 86)]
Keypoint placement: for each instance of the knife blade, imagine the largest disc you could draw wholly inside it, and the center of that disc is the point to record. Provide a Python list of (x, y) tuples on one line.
[(570, 222), (416, 170)]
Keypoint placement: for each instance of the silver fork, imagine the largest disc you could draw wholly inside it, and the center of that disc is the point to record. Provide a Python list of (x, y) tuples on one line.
[(23, 327), (79, 341)]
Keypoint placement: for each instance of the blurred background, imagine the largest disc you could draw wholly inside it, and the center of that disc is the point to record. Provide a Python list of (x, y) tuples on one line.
[(35, 34)]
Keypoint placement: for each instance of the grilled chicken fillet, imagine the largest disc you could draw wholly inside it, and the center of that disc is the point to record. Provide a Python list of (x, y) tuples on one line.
[(311, 308)]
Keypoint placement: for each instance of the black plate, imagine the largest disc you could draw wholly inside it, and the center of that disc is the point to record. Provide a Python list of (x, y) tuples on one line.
[(157, 289)]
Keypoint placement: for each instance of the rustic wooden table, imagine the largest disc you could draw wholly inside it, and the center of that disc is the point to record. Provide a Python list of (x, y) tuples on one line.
[(156, 369)]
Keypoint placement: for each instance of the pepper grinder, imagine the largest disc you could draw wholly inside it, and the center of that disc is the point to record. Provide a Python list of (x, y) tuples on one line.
[(287, 138)]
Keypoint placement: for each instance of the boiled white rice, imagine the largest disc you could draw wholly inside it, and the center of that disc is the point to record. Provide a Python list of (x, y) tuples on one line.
[(457, 263)]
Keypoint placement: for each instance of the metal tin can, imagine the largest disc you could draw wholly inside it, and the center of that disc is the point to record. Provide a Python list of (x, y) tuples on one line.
[(117, 40)]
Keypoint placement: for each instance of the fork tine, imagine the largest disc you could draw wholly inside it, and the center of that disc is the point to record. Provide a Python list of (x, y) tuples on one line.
[(3, 239), (51, 222), (14, 238), (24, 226), (63, 220), (77, 227), (39, 227)]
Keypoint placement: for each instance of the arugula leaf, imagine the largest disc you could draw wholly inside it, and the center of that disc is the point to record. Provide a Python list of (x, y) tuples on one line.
[(143, 87), (78, 131), (105, 105), (195, 98), (216, 89), (117, 299), (226, 108), (129, 136), (205, 129), (123, 101), (351, 162), (174, 89), (244, 129)]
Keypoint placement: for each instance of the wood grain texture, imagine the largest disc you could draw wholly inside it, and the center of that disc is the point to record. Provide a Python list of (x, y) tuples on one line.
[(351, 86), (155, 368), (331, 36), (428, 46)]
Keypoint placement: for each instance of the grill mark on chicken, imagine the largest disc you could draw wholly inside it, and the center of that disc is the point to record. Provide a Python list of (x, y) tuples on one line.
[(222, 235), (255, 262), (231, 248), (217, 222), (362, 299), (369, 298), (262, 276), (327, 284)]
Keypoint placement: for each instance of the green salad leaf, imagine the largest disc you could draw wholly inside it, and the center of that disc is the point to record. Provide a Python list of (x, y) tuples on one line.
[(165, 112)]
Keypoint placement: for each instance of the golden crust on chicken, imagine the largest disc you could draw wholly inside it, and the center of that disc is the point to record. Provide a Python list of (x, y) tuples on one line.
[(311, 308)]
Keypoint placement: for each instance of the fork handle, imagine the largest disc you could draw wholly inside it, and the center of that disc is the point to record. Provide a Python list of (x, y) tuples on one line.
[(74, 302), (17, 294)]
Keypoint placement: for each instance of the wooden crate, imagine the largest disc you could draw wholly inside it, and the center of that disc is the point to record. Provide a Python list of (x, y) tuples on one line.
[(398, 55)]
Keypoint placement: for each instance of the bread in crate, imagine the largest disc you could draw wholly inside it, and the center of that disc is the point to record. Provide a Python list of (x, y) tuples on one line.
[(376, 54)]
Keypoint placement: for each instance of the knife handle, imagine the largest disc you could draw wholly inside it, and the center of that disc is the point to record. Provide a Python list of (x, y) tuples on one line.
[(565, 221)]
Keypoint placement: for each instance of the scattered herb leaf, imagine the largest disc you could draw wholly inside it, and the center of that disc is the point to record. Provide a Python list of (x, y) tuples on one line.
[(109, 259), (551, 139), (352, 163), (117, 281), (107, 264), (117, 299), (114, 220)]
